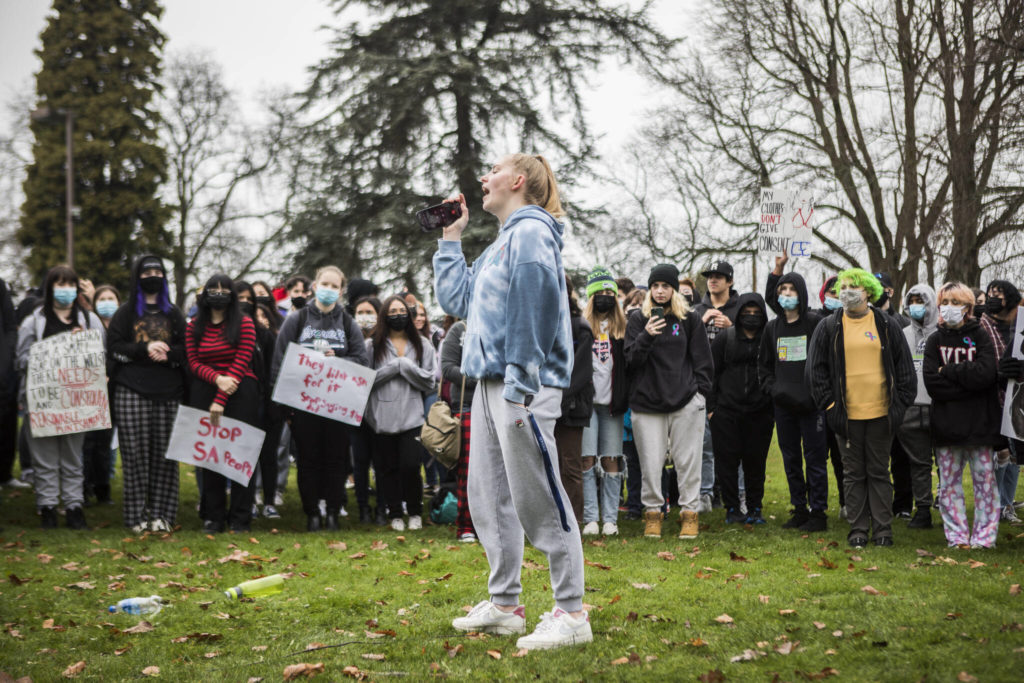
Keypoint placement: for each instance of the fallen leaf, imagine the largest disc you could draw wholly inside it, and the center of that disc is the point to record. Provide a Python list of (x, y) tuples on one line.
[(452, 651), (666, 555), (494, 654), (146, 577), (259, 648), (965, 677), (336, 545), (13, 578), (818, 625), (198, 637), (737, 558), (122, 650), (786, 612), (44, 558), (747, 656), (632, 616), (141, 627), (713, 676), (724, 619), (787, 647), (373, 656), (817, 676), (643, 586), (211, 655), (974, 564), (620, 660), (298, 670), (445, 577), (357, 556), (82, 585), (48, 623), (151, 671), (314, 646), (764, 599), (871, 590), (953, 616), (521, 652), (530, 564), (1015, 589), (378, 545), (596, 565), (74, 669), (354, 672), (697, 642)]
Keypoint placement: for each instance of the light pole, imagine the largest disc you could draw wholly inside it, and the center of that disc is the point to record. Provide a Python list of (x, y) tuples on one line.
[(46, 113)]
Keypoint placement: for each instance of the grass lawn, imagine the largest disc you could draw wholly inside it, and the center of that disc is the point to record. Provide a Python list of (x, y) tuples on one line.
[(379, 604)]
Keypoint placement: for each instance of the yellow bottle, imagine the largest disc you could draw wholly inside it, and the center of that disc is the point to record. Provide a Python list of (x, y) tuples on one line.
[(257, 588)]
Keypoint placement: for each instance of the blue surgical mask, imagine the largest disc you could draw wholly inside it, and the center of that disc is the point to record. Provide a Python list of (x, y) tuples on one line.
[(833, 304), (326, 296), (106, 309), (917, 311), (789, 303), (65, 296)]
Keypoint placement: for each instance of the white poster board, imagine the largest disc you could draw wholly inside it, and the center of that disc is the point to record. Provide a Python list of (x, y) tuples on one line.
[(1013, 404), (785, 222), (66, 384), (323, 385), (232, 448)]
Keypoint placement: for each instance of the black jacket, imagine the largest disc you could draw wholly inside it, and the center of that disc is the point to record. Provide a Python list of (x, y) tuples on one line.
[(451, 367), (8, 341), (826, 369), (771, 295), (960, 375), (736, 385), (578, 397), (667, 370), (620, 379), (784, 349), (730, 308)]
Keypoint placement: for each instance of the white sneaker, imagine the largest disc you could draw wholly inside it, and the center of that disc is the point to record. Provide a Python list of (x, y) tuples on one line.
[(140, 528), (343, 512), (486, 618), (705, 503), (270, 512), (610, 529), (415, 523), (397, 524), (1010, 516), (259, 498), (557, 629), (591, 529), (468, 537), (159, 526), (278, 499), (17, 484)]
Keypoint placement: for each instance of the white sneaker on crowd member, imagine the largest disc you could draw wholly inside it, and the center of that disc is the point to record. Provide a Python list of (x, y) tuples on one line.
[(343, 512), (159, 526), (259, 498), (1018, 504), (610, 529), (485, 617), (1010, 516), (140, 528), (705, 503), (468, 537), (591, 529), (279, 499), (415, 523), (255, 510), (15, 483), (270, 512), (557, 629), (397, 524)]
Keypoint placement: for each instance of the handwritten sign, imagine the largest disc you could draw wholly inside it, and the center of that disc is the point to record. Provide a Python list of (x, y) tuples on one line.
[(785, 222), (232, 448), (66, 384), (323, 385), (1013, 404)]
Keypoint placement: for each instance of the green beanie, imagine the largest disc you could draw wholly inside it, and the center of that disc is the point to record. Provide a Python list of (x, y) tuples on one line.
[(600, 279)]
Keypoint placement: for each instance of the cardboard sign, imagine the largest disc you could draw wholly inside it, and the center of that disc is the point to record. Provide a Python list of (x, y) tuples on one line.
[(323, 385), (232, 448), (785, 222), (66, 384), (1013, 404)]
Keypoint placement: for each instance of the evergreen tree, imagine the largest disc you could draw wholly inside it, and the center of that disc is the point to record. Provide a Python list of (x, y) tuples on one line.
[(413, 105), (100, 60)]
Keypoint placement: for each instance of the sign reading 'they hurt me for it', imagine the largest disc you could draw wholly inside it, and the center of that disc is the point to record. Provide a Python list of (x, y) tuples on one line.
[(323, 385)]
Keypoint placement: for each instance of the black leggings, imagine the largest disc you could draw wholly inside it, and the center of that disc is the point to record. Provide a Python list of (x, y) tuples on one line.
[(396, 460), (321, 461)]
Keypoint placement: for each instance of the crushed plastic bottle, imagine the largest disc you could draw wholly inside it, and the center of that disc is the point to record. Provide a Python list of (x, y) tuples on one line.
[(151, 605), (257, 588)]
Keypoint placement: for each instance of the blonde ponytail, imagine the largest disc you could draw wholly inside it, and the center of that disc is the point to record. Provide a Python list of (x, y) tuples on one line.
[(541, 189)]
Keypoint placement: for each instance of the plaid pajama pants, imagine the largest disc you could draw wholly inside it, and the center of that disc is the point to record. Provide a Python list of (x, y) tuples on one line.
[(463, 522), (150, 480)]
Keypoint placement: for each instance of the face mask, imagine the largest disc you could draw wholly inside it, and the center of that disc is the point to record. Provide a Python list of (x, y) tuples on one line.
[(603, 304), (789, 303), (690, 298), (106, 309), (833, 304), (267, 301), (247, 307), (916, 311), (398, 322), (218, 301), (326, 296), (851, 298), (751, 321), (298, 301), (882, 299), (993, 304), (152, 284), (65, 296), (952, 314), (366, 321)]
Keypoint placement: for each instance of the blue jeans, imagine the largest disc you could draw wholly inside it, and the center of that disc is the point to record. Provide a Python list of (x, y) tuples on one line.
[(602, 439), (1006, 478), (707, 463)]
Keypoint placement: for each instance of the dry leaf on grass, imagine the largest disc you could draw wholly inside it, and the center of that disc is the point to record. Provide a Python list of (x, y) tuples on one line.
[(357, 556), (747, 656), (786, 612), (378, 545), (724, 619), (336, 545), (44, 558), (494, 654), (1015, 589), (141, 627), (643, 586), (871, 590), (818, 625), (82, 585), (764, 599), (259, 648), (965, 677), (354, 672), (737, 558), (373, 656), (521, 652), (211, 655), (666, 555), (151, 671), (713, 676), (819, 675), (122, 650), (788, 647), (974, 564), (73, 670), (302, 670), (596, 565)]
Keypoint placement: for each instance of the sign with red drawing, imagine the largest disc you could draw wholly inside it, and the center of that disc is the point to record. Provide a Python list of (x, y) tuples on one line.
[(231, 448), (323, 385), (785, 222)]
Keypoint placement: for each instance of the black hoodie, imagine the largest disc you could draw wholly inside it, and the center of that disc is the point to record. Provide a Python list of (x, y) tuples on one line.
[(668, 369), (730, 308), (736, 386), (783, 354), (128, 338)]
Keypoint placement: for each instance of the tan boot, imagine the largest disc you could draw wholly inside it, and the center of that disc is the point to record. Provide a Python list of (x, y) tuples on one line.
[(688, 527), (652, 524)]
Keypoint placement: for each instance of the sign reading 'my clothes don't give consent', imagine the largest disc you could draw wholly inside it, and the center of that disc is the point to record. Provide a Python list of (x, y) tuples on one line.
[(323, 385), (66, 384), (785, 222), (232, 448)]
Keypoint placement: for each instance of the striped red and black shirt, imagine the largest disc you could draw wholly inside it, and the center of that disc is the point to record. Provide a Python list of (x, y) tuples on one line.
[(212, 355)]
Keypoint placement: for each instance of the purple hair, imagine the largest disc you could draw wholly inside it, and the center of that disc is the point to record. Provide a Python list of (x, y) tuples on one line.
[(163, 299)]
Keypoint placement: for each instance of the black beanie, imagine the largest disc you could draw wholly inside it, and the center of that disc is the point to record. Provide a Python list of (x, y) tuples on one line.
[(1011, 297), (664, 272)]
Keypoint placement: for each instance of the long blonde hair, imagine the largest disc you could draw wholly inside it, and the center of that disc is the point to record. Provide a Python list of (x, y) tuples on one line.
[(617, 319), (677, 305), (540, 188)]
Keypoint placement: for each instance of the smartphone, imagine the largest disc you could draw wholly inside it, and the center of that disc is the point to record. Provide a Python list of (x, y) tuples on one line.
[(657, 312), (439, 216)]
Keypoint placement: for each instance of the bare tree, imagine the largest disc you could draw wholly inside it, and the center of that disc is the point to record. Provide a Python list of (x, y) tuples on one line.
[(15, 153)]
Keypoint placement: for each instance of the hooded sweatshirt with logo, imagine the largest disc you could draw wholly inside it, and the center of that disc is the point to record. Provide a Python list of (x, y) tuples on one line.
[(784, 349), (730, 308), (310, 323), (515, 304), (917, 333), (736, 386)]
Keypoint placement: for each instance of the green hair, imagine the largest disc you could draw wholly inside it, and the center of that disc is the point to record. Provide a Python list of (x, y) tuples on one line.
[(858, 277)]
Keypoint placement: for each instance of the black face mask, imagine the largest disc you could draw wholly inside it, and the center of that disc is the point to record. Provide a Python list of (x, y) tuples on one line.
[(299, 301), (993, 304), (218, 301), (267, 301), (690, 298), (751, 321), (398, 322), (152, 284), (603, 303), (882, 299), (247, 307)]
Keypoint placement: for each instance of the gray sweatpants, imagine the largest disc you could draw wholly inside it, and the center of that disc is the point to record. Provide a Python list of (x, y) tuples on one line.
[(681, 434), (58, 469), (509, 495)]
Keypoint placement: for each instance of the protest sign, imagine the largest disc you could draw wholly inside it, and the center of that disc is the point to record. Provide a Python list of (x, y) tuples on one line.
[(784, 222), (323, 385), (232, 448), (66, 384), (1013, 404)]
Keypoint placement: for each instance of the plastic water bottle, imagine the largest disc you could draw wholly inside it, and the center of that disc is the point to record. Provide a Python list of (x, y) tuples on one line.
[(151, 605), (257, 588)]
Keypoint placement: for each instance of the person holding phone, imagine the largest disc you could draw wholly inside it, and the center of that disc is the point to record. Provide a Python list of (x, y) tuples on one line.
[(518, 346)]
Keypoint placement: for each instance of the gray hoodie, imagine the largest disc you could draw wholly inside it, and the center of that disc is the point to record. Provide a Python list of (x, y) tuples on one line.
[(917, 334), (396, 401)]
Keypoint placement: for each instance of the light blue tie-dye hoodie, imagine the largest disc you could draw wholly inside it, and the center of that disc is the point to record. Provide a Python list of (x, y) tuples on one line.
[(515, 304)]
